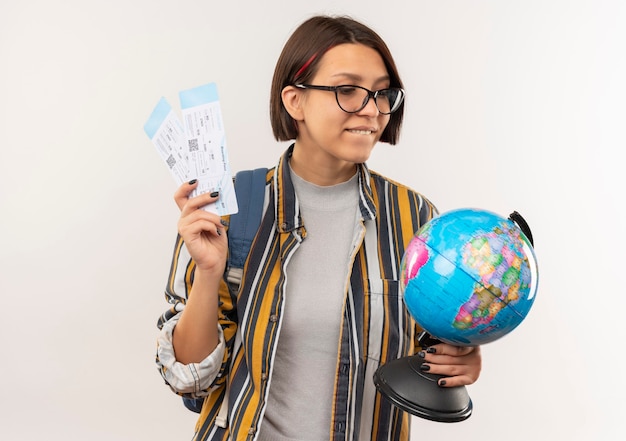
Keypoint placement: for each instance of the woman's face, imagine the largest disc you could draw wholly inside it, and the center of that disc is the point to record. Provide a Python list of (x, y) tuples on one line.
[(328, 137)]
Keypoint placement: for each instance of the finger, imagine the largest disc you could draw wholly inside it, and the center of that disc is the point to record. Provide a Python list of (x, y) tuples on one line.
[(199, 221), (451, 355), (430, 356), (449, 370), (199, 202), (181, 195), (460, 380), (460, 369), (452, 375), (447, 349), (190, 230)]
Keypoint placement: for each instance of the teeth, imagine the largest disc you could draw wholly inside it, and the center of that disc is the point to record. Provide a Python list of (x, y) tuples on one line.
[(361, 132)]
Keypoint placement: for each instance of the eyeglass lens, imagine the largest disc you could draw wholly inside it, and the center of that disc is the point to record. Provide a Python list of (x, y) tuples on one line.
[(353, 98)]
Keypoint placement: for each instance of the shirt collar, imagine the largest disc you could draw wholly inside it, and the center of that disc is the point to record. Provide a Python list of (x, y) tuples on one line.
[(288, 214)]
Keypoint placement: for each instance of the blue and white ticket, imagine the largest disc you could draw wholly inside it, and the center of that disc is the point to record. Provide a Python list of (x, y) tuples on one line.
[(202, 148), (168, 136)]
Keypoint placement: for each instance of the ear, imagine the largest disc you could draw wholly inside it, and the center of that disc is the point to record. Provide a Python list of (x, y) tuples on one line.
[(292, 100)]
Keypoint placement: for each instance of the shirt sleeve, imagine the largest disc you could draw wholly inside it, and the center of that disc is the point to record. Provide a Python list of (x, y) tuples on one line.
[(192, 380)]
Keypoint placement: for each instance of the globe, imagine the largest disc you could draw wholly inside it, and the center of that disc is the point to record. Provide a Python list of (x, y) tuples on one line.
[(469, 276)]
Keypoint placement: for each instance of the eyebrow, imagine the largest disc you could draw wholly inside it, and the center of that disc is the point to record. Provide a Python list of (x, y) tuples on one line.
[(355, 77)]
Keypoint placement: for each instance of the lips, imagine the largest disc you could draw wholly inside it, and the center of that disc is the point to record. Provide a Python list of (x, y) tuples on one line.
[(362, 131)]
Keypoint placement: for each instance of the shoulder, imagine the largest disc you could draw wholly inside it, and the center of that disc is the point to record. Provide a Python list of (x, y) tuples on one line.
[(386, 187)]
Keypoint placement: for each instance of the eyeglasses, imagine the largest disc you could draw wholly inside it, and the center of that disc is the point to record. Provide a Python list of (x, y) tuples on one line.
[(352, 99)]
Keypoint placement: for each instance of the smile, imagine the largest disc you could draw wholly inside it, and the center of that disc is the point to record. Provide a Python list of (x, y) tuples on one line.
[(360, 132)]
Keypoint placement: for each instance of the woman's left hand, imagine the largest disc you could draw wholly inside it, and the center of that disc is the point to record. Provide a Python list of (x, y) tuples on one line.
[(459, 365)]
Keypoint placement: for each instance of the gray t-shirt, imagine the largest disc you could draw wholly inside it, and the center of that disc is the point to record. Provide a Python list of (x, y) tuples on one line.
[(301, 388)]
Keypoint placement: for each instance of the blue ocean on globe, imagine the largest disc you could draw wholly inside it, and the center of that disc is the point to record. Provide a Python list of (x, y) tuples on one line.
[(469, 277)]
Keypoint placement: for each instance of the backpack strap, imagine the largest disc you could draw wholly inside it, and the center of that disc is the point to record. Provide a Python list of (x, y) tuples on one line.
[(250, 191)]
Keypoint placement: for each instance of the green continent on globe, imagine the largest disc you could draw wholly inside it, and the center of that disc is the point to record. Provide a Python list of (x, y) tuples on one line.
[(498, 267)]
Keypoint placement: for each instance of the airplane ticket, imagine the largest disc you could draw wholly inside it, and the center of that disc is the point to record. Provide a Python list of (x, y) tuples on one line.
[(202, 149)]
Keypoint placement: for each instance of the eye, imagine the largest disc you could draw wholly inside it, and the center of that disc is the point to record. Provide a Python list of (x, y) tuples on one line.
[(347, 90)]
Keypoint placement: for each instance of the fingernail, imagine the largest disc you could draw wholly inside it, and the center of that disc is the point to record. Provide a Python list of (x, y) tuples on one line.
[(421, 354), (431, 350), (424, 367), (223, 222), (215, 194), (193, 181), (442, 382), (219, 232)]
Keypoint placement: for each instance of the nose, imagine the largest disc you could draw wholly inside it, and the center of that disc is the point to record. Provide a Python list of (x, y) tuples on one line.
[(370, 109)]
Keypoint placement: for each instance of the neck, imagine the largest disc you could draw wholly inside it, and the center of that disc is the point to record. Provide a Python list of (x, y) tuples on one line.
[(319, 172)]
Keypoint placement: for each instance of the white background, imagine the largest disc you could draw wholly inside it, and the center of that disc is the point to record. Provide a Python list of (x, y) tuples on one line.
[(512, 105)]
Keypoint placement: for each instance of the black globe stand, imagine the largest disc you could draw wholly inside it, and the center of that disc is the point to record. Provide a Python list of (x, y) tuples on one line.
[(406, 386)]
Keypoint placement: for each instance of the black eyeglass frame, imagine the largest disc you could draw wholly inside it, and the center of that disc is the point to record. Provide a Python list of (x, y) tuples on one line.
[(370, 94)]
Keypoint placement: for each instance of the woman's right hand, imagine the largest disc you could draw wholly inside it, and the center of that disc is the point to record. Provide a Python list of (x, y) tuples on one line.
[(201, 230)]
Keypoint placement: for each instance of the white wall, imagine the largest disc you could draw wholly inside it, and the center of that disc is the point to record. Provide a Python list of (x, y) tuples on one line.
[(513, 105)]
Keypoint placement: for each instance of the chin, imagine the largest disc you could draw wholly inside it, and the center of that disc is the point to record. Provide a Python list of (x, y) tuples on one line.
[(359, 158), (361, 152)]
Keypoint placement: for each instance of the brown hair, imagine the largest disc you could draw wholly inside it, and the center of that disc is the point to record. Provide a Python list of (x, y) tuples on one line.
[(300, 58)]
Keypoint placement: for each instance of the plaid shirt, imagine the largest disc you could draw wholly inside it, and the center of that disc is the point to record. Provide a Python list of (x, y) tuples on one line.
[(375, 328)]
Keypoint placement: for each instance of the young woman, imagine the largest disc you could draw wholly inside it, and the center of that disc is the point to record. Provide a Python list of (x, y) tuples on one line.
[(291, 353)]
